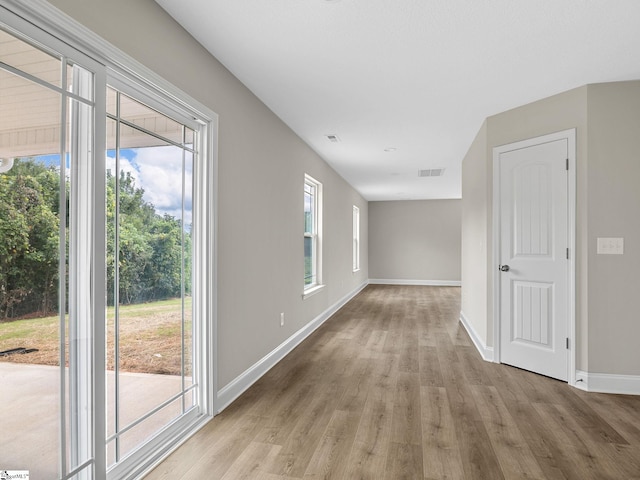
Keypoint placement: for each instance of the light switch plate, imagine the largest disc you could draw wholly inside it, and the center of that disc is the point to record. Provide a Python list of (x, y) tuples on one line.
[(610, 246)]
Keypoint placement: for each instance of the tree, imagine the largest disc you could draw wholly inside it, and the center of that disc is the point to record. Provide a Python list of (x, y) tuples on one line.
[(150, 246), (29, 236), (153, 249)]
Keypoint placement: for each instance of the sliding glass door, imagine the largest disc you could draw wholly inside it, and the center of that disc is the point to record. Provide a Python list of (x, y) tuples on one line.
[(106, 262)]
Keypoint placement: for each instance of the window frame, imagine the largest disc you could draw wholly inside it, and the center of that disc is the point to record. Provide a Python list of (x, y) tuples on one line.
[(315, 235), (356, 239), (123, 466), (178, 106)]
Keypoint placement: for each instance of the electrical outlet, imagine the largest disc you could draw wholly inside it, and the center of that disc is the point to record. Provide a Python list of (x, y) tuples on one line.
[(282, 319)]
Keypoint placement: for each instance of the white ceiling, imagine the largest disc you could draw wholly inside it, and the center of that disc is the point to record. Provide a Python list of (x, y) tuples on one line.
[(419, 76)]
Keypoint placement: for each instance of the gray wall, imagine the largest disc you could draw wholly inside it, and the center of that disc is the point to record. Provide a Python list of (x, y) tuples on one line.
[(559, 112), (415, 240), (607, 120), (613, 210), (474, 235), (261, 173)]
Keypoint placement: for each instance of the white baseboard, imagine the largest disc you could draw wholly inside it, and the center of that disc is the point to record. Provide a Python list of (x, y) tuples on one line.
[(485, 352), (428, 283), (608, 383), (237, 387)]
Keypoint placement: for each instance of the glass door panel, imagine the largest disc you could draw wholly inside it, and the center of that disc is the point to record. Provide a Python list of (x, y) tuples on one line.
[(149, 359), (29, 282), (46, 139)]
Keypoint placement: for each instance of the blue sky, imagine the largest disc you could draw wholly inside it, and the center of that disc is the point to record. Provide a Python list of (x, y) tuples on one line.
[(158, 170)]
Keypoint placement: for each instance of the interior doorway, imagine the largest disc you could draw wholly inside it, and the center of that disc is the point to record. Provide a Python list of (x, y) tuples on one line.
[(534, 191)]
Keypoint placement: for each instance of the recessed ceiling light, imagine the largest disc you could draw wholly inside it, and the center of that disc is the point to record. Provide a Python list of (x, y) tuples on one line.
[(390, 149), (332, 137)]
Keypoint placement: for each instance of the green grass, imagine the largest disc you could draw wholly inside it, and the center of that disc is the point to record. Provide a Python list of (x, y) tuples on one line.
[(35, 326), (19, 329), (145, 330), (149, 309)]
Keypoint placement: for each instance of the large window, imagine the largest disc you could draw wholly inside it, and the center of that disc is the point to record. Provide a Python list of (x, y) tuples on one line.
[(356, 239), (312, 234), (106, 257)]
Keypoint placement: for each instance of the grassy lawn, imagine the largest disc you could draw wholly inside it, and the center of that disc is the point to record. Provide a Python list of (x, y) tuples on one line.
[(149, 338)]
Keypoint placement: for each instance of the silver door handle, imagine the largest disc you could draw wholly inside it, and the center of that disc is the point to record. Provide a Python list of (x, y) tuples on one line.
[(504, 268)]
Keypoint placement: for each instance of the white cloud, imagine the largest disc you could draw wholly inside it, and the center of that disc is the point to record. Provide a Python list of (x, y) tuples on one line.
[(158, 170)]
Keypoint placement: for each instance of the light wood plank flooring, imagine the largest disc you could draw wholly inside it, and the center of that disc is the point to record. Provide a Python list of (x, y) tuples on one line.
[(392, 388)]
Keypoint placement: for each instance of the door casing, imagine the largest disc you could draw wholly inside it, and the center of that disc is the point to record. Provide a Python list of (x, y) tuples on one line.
[(570, 137)]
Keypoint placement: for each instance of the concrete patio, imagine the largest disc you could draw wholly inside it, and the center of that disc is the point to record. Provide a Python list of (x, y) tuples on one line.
[(29, 428)]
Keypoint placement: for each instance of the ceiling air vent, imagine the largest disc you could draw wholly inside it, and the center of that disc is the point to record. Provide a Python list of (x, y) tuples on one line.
[(431, 172), (332, 138)]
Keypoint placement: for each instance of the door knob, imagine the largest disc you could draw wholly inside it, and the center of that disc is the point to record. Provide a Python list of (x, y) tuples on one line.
[(504, 268)]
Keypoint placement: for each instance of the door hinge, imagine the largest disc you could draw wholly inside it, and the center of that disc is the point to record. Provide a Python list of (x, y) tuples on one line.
[(567, 164), (567, 343), (567, 253)]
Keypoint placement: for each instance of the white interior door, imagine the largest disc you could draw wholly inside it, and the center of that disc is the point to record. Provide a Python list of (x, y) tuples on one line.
[(533, 255)]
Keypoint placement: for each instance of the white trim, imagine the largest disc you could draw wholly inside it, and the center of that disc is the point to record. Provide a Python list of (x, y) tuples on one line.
[(204, 244), (400, 281), (142, 460), (98, 281), (495, 256), (573, 252), (608, 383), (315, 235), (311, 291), (570, 136), (150, 463), (356, 239), (242, 382), (485, 352)]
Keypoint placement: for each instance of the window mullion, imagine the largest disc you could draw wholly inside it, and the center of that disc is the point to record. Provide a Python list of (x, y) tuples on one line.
[(182, 281), (99, 275), (63, 274), (116, 286), (82, 219)]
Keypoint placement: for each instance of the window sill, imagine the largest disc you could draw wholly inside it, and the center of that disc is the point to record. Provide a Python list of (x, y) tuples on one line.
[(312, 291)]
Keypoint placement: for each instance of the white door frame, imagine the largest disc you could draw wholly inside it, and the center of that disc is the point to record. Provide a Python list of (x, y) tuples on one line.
[(570, 137)]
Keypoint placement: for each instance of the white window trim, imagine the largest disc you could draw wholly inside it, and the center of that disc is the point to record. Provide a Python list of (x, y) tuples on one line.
[(356, 239), (312, 290), (54, 22), (136, 461), (316, 286), (178, 105)]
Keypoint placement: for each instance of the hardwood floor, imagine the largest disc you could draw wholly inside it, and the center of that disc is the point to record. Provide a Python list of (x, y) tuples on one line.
[(391, 388)]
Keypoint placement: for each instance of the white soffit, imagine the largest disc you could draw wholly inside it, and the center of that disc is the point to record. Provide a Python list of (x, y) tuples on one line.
[(413, 77)]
